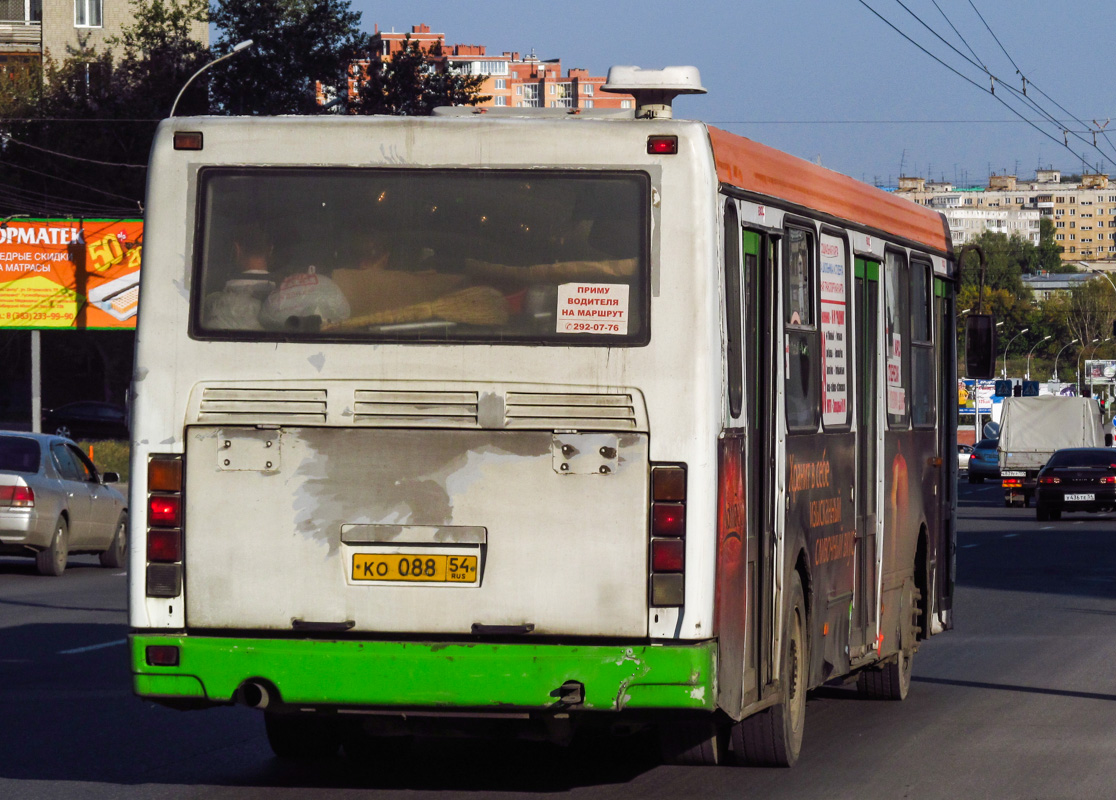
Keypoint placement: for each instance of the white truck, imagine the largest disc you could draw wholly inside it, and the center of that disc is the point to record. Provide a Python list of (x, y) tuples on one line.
[(1032, 428)]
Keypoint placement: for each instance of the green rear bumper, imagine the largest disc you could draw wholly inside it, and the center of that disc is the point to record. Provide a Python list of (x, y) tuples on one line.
[(409, 675)]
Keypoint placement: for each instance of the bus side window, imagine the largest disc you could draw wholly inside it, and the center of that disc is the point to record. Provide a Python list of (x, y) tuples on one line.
[(734, 352), (922, 346), (800, 332), (897, 341)]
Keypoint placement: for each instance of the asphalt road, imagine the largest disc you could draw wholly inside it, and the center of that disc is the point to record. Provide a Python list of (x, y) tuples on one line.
[(1016, 702)]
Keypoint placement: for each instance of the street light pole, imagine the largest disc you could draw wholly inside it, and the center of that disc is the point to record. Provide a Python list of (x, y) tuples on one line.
[(1012, 339), (1079, 363), (236, 49), (1054, 377), (1036, 344)]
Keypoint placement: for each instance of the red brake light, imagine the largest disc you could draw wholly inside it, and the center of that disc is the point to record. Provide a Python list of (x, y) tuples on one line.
[(17, 497), (1049, 479), (662, 145), (667, 555), (1108, 479), (668, 519), (164, 545), (164, 511)]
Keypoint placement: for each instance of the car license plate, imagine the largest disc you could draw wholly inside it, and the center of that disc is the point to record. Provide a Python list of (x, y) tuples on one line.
[(414, 567), (1078, 498)]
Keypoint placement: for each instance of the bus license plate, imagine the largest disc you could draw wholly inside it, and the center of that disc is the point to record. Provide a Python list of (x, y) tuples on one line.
[(414, 567), (1072, 498)]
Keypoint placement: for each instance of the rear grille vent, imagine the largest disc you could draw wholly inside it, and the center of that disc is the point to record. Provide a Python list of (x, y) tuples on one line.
[(255, 406), (575, 411), (415, 409)]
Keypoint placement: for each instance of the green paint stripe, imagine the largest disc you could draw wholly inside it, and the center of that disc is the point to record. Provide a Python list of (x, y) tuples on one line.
[(751, 243), (424, 675), (941, 288)]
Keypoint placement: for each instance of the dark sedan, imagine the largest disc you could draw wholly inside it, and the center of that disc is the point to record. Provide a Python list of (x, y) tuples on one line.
[(87, 419), (1076, 479)]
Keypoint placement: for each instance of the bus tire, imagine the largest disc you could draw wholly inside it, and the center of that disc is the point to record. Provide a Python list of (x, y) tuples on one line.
[(52, 561), (773, 737), (298, 736), (892, 681), (696, 743)]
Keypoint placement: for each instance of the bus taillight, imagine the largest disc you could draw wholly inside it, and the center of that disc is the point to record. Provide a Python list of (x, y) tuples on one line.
[(668, 535), (164, 526)]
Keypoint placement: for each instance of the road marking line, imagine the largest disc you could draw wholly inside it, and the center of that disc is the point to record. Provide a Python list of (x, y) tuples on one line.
[(92, 647), (970, 545), (1010, 535)]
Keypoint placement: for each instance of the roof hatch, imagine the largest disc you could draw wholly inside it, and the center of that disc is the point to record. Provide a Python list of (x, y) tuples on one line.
[(654, 89)]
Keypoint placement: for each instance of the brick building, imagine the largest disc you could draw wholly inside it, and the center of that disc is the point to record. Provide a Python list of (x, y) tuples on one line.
[(511, 79)]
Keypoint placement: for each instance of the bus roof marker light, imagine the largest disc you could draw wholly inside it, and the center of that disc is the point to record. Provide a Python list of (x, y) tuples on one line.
[(662, 145), (654, 90), (187, 140)]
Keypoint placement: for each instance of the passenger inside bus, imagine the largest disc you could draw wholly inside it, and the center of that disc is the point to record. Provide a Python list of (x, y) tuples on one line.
[(237, 305), (382, 278)]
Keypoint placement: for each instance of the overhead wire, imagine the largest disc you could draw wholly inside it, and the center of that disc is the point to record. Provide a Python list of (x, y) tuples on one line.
[(993, 79), (12, 140), (980, 64), (1025, 79), (69, 182)]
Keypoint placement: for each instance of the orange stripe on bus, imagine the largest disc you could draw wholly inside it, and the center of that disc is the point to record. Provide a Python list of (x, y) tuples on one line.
[(764, 170)]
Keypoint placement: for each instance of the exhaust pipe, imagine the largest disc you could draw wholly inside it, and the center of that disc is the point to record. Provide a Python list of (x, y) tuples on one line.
[(254, 695)]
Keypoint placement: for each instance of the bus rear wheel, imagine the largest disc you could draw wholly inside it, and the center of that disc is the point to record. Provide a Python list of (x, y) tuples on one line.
[(892, 681), (773, 737), (298, 736)]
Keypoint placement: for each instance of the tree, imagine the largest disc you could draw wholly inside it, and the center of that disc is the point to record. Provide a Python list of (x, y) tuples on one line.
[(1091, 310), (298, 45), (413, 82), (1049, 251), (86, 122), (1006, 258), (160, 53)]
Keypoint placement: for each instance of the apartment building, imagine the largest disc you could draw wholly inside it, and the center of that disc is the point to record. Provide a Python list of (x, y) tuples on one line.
[(30, 29), (1083, 211), (511, 79)]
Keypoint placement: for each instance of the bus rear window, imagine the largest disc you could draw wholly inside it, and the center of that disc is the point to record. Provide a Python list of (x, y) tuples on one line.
[(422, 255)]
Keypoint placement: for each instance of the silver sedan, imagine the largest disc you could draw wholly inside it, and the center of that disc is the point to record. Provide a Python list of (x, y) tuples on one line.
[(54, 503)]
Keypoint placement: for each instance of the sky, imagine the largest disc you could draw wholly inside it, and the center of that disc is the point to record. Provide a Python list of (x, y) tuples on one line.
[(829, 81)]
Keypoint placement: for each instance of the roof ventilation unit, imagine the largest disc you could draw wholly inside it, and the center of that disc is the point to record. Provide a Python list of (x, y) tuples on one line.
[(654, 89)]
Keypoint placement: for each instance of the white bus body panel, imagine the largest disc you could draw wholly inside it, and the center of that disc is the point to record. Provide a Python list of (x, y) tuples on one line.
[(678, 375)]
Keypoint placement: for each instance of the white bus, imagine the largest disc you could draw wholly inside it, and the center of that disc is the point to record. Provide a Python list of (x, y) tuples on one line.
[(550, 418)]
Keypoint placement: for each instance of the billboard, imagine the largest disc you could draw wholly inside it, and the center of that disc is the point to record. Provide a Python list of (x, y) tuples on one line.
[(69, 274)]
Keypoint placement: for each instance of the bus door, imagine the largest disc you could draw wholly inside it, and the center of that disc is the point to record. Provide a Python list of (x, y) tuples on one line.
[(866, 320), (947, 427), (760, 378)]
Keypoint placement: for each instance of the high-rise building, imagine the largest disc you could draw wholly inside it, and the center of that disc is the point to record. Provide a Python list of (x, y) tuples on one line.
[(1083, 210)]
